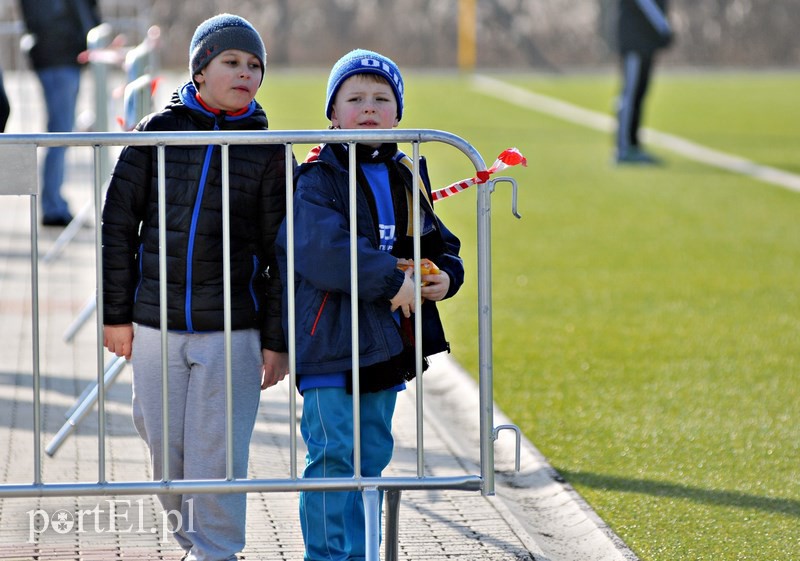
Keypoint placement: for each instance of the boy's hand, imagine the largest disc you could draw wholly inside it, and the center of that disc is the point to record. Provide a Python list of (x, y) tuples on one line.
[(435, 286), (404, 299), (274, 369), (118, 339), (435, 283)]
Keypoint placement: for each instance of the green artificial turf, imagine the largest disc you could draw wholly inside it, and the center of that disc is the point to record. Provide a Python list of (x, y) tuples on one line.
[(646, 320)]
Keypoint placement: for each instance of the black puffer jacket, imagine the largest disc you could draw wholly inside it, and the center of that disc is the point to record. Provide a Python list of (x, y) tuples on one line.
[(194, 228)]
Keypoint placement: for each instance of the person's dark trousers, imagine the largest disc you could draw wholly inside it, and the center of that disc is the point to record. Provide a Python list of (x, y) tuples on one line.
[(636, 69)]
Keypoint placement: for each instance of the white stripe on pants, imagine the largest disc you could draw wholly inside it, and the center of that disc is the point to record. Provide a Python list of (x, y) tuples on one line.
[(332, 522)]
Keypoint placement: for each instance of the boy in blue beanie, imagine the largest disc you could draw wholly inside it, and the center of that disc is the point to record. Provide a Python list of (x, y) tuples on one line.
[(365, 92), (226, 64)]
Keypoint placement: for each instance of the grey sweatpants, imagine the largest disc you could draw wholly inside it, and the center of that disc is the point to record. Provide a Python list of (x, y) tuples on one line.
[(211, 527)]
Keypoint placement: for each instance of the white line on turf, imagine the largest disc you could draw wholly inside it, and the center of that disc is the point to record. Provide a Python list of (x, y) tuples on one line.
[(605, 123)]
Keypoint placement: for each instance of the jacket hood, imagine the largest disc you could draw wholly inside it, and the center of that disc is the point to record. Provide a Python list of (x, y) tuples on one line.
[(185, 99), (327, 153)]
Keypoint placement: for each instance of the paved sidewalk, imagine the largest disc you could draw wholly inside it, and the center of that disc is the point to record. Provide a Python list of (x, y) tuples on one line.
[(532, 517)]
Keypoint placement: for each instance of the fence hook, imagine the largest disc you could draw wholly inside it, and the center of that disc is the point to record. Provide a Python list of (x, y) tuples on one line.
[(514, 191), (496, 431)]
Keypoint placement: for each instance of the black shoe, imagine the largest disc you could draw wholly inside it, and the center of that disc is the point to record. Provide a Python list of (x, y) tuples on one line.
[(56, 220), (634, 155)]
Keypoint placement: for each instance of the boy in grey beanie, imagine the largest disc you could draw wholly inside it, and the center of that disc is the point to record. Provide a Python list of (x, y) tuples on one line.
[(226, 62), (222, 32)]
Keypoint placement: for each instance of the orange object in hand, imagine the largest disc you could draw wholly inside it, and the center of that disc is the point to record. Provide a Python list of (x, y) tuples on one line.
[(427, 267)]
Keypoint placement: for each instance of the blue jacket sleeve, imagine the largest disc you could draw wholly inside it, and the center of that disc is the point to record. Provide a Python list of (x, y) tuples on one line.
[(322, 242)]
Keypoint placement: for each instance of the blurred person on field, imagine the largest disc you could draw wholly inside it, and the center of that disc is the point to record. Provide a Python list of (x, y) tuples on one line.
[(56, 35), (642, 30), (5, 107)]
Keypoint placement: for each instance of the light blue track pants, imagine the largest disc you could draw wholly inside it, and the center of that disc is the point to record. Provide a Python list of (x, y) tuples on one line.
[(211, 527), (333, 522)]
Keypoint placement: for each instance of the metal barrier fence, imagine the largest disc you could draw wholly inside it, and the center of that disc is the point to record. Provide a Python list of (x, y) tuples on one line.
[(18, 176)]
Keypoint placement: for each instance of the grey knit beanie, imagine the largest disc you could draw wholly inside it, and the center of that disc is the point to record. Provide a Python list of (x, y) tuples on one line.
[(220, 33)]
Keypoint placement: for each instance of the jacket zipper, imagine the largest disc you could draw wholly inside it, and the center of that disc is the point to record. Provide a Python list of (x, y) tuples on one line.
[(252, 283), (192, 233)]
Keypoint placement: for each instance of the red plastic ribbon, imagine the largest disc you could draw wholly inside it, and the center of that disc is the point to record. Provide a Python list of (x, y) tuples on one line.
[(507, 158)]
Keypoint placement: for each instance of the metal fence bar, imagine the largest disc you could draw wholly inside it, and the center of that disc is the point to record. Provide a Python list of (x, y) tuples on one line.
[(90, 386), (99, 169), (37, 378), (82, 317), (483, 481), (162, 277), (391, 543), (415, 186), (289, 158), (352, 190), (370, 495), (198, 138), (486, 420), (371, 488), (372, 514), (84, 404), (226, 308), (217, 486)]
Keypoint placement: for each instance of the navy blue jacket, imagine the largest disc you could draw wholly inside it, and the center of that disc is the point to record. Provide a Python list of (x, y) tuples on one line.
[(194, 227), (322, 270)]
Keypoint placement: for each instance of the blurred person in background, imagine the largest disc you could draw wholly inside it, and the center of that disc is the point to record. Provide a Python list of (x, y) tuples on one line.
[(56, 35), (642, 29), (5, 108)]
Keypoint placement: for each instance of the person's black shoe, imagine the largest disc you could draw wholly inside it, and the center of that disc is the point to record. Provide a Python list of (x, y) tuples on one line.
[(635, 155), (56, 221)]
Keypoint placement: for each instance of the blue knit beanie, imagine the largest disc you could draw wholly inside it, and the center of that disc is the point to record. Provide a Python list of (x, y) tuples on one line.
[(220, 33), (361, 61)]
